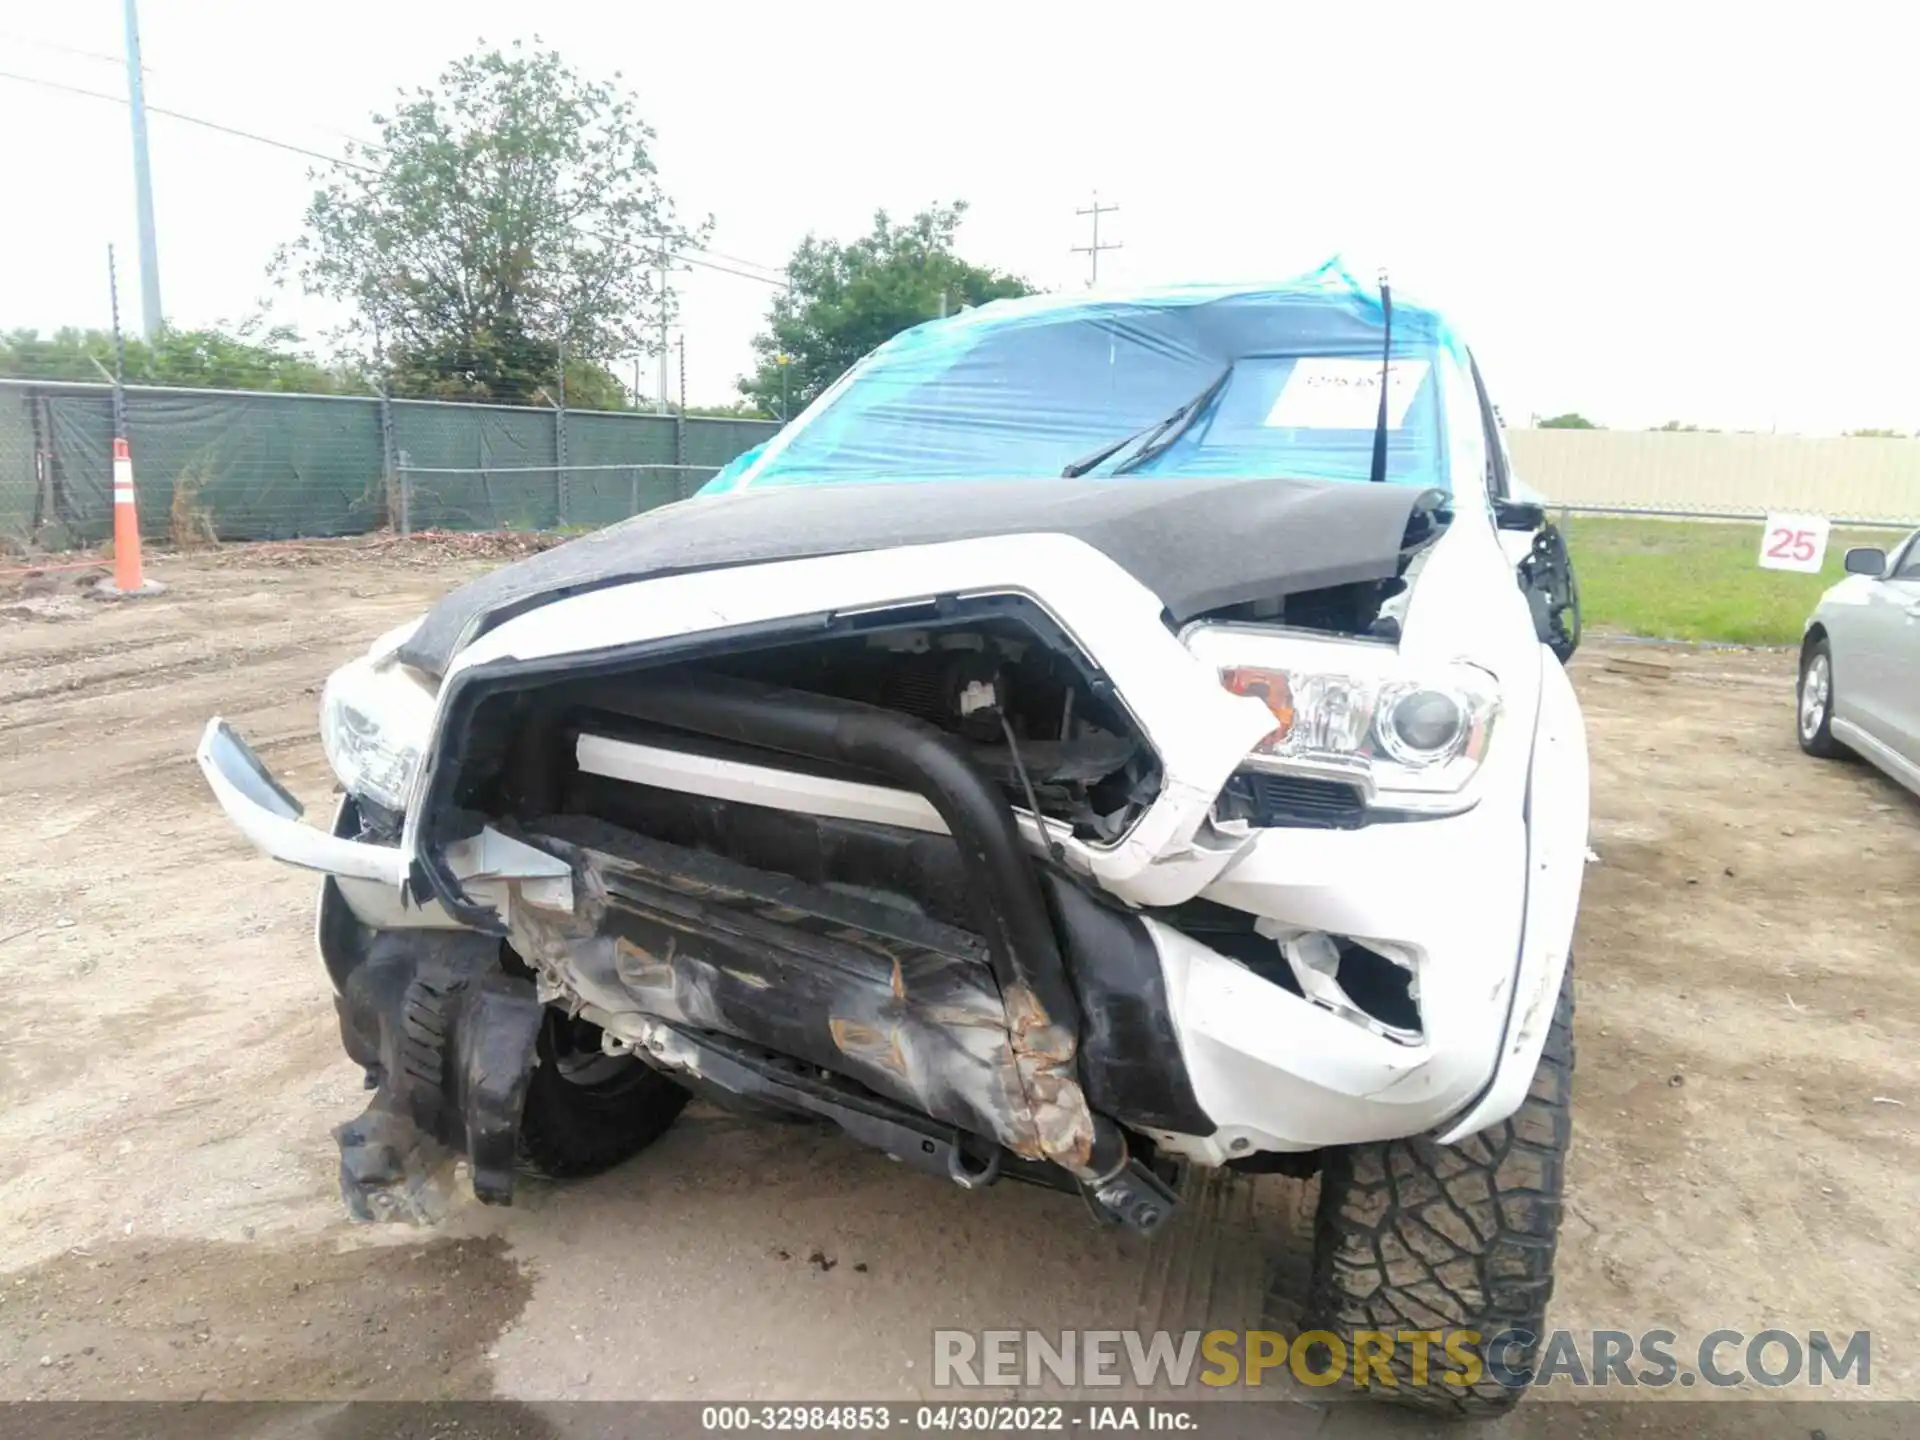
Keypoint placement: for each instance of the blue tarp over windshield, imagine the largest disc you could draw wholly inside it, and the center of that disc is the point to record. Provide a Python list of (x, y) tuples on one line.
[(1022, 388)]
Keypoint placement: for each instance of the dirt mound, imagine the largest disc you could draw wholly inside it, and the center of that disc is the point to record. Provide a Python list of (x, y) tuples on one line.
[(429, 550), (57, 592)]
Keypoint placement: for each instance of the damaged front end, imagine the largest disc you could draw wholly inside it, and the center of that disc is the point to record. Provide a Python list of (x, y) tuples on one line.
[(925, 868), (1222, 809), (804, 874)]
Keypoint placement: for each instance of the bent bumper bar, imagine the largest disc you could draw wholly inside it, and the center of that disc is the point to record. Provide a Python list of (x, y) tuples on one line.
[(489, 865), (263, 811)]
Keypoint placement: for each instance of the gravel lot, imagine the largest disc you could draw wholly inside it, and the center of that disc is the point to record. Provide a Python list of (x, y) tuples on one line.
[(1746, 1148)]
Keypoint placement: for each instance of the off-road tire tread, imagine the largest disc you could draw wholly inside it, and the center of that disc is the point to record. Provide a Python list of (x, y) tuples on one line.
[(1414, 1235), (568, 1133)]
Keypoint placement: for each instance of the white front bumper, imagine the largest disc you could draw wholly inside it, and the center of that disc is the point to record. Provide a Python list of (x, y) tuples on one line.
[(1481, 902)]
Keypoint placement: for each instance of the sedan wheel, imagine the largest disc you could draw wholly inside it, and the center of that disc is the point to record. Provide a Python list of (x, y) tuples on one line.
[(1815, 728), (1815, 691)]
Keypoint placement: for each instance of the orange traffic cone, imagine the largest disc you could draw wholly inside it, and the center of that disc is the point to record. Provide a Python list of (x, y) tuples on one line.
[(128, 577)]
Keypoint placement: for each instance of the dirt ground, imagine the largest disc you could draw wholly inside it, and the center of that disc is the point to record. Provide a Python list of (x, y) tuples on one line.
[(1745, 1145)]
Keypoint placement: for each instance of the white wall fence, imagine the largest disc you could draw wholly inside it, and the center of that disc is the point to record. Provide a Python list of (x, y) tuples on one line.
[(1702, 473)]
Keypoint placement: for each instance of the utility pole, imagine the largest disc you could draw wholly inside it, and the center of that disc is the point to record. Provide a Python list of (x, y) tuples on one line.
[(562, 486), (663, 324), (119, 350), (1092, 251), (142, 182), (680, 426)]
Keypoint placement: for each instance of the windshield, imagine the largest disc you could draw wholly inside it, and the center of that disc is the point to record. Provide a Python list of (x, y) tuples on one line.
[(1280, 380)]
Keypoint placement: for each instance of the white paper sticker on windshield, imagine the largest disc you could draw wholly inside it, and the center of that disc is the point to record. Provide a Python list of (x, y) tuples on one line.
[(1325, 392)]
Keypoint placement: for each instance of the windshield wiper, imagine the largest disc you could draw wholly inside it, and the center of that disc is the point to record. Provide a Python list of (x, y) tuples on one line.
[(1155, 438)]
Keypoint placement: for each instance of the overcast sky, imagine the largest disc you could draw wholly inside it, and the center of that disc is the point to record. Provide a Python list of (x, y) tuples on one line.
[(1679, 211)]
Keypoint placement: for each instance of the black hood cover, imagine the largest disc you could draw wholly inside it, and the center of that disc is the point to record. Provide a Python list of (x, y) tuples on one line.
[(1197, 544)]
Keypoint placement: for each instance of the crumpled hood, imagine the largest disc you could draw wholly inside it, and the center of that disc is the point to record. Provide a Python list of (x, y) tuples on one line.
[(1197, 544)]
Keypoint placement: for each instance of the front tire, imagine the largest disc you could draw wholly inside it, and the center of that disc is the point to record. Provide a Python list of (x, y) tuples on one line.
[(587, 1111), (1414, 1235), (1813, 696)]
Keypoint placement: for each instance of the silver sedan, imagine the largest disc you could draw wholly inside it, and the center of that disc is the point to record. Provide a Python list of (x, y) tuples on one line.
[(1860, 664)]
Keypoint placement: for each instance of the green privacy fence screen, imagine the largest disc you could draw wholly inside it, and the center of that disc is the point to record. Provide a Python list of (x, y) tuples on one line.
[(266, 466)]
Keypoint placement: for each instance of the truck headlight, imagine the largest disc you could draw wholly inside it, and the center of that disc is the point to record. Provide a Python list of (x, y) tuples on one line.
[(375, 721), (1409, 734)]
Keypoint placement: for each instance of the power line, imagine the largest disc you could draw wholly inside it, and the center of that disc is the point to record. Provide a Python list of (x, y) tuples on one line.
[(60, 49), (725, 269), (240, 134), (205, 124), (145, 69), (740, 260)]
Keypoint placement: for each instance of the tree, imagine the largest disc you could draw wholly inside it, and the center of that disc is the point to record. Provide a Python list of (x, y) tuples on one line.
[(250, 357), (510, 210), (1569, 421), (843, 300), (593, 387), (1678, 427)]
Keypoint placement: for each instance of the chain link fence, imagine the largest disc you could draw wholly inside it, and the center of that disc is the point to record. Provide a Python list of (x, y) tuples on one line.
[(237, 465)]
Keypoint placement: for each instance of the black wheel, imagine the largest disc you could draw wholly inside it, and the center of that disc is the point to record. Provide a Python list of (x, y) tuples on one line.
[(1813, 713), (1413, 1235), (587, 1111)]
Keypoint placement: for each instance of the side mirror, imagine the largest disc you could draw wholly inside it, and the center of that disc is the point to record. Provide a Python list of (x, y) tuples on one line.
[(1519, 515), (1866, 560)]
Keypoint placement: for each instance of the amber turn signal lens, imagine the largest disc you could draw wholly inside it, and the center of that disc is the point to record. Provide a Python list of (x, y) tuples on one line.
[(1270, 687)]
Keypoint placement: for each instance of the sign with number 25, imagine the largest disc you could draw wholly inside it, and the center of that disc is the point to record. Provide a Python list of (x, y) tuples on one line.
[(1794, 542)]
